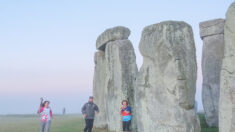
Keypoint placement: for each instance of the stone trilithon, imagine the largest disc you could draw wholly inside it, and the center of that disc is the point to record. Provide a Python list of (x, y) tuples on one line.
[(212, 34), (115, 72)]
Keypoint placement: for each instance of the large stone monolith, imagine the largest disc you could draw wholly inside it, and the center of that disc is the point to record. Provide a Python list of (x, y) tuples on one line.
[(212, 34), (115, 75), (99, 89), (121, 73), (166, 82), (227, 79)]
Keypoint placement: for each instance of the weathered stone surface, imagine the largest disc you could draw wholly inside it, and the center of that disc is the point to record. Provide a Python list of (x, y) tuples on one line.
[(212, 27), (112, 34), (115, 73), (166, 82), (99, 89), (121, 72), (227, 79), (213, 50)]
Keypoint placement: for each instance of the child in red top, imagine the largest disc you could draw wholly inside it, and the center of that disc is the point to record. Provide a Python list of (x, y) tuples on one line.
[(126, 116)]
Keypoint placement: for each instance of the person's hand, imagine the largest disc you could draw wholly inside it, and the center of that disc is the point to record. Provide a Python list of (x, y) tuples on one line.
[(127, 111), (96, 113), (121, 108), (84, 116)]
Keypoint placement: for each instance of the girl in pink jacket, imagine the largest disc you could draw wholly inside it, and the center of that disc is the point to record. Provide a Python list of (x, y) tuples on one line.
[(46, 116)]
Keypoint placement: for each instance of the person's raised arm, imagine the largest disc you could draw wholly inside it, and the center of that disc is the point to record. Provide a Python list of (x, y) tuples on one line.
[(40, 106)]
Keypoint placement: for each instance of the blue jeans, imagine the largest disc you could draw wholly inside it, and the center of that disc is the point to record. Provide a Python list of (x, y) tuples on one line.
[(45, 126)]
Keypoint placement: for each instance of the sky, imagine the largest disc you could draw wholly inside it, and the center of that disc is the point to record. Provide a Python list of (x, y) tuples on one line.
[(47, 47)]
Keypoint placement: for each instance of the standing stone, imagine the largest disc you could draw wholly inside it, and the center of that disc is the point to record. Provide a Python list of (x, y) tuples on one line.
[(227, 79), (99, 89), (166, 82), (212, 34), (121, 73), (115, 74)]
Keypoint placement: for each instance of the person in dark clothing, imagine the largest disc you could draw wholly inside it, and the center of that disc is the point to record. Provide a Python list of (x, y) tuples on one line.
[(89, 110)]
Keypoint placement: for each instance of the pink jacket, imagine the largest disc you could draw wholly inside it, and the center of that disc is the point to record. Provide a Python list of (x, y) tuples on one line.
[(41, 110)]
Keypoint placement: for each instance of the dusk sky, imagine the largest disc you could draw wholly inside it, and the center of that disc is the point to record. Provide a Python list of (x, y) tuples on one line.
[(47, 47)]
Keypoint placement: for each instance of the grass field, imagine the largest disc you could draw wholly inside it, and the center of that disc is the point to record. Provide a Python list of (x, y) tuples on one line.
[(31, 123), (69, 123), (205, 127)]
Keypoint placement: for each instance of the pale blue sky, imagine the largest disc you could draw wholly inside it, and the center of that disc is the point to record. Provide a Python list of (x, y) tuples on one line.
[(47, 47)]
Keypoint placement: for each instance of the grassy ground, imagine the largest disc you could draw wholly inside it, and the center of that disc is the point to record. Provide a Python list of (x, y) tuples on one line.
[(205, 127), (69, 123), (31, 123)]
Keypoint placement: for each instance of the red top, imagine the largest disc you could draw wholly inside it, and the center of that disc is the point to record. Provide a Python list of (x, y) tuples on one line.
[(126, 111)]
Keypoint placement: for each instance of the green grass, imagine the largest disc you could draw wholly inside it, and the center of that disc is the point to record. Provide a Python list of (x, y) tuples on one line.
[(68, 123), (204, 126), (31, 123)]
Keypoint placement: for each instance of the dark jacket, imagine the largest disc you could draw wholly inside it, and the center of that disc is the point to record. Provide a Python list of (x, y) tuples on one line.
[(89, 109)]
